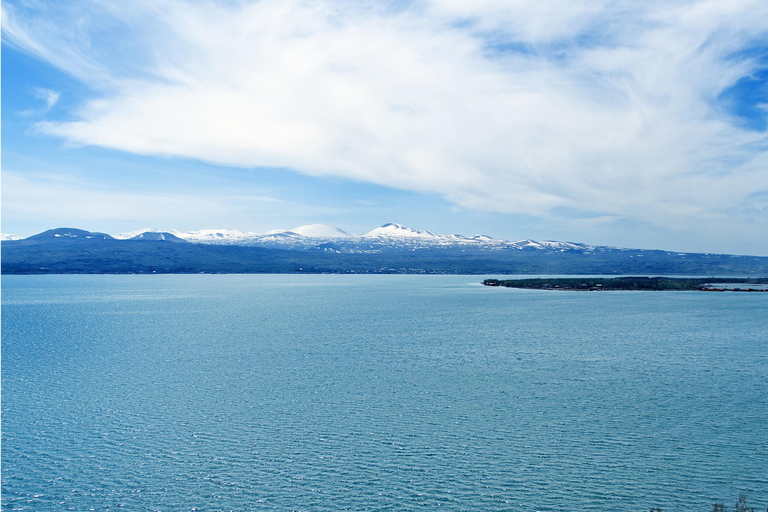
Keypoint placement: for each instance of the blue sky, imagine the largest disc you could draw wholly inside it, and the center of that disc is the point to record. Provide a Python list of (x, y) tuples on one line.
[(618, 123)]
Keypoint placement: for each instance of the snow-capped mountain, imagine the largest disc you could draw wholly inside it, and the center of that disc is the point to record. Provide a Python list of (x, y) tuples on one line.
[(392, 248), (158, 236), (131, 234), (215, 236), (8, 236), (399, 231), (320, 231), (68, 234), (390, 236), (326, 238)]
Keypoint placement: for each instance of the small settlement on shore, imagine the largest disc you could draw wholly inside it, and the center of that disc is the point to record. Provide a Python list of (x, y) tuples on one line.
[(635, 283)]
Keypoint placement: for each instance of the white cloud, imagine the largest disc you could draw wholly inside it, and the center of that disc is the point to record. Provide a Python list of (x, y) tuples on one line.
[(518, 107), (48, 96)]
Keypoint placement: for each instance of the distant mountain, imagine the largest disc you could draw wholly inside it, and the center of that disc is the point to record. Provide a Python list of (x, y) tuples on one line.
[(69, 251), (320, 231), (131, 234), (158, 236), (391, 248), (389, 237), (216, 236), (8, 236), (67, 234), (290, 237), (399, 231)]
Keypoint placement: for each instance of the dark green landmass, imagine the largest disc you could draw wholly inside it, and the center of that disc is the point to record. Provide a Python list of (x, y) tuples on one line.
[(635, 283)]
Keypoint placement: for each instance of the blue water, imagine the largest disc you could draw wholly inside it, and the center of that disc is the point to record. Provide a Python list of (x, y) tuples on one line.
[(260, 392)]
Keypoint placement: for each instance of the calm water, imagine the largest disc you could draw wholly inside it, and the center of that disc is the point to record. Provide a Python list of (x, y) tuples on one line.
[(377, 393)]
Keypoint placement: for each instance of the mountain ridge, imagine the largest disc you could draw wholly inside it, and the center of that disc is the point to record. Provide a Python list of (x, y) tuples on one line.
[(308, 236), (70, 250), (390, 234)]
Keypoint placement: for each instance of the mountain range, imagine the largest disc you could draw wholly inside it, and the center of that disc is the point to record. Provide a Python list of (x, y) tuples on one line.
[(332, 239), (320, 248)]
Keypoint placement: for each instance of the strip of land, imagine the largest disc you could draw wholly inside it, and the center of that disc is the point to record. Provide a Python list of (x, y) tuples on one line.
[(751, 284)]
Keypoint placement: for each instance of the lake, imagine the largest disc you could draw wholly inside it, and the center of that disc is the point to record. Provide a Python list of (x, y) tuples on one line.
[(331, 392)]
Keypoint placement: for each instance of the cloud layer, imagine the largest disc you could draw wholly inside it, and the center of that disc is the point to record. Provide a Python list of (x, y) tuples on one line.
[(602, 110)]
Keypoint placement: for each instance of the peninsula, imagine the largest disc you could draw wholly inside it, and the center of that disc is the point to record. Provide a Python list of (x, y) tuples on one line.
[(752, 284)]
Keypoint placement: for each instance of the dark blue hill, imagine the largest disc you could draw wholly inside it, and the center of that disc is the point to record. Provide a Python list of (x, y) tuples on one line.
[(63, 251), (59, 235)]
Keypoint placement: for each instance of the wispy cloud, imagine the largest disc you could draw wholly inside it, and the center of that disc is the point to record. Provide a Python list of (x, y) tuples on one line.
[(609, 107), (48, 96)]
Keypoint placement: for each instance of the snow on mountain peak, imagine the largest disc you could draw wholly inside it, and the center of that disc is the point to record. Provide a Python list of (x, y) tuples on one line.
[(130, 234), (398, 230), (390, 234), (211, 235), (158, 236), (320, 231), (70, 234)]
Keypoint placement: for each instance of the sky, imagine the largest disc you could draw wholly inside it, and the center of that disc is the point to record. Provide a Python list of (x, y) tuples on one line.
[(622, 123)]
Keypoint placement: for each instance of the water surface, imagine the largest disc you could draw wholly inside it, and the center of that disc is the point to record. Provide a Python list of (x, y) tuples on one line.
[(264, 392)]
